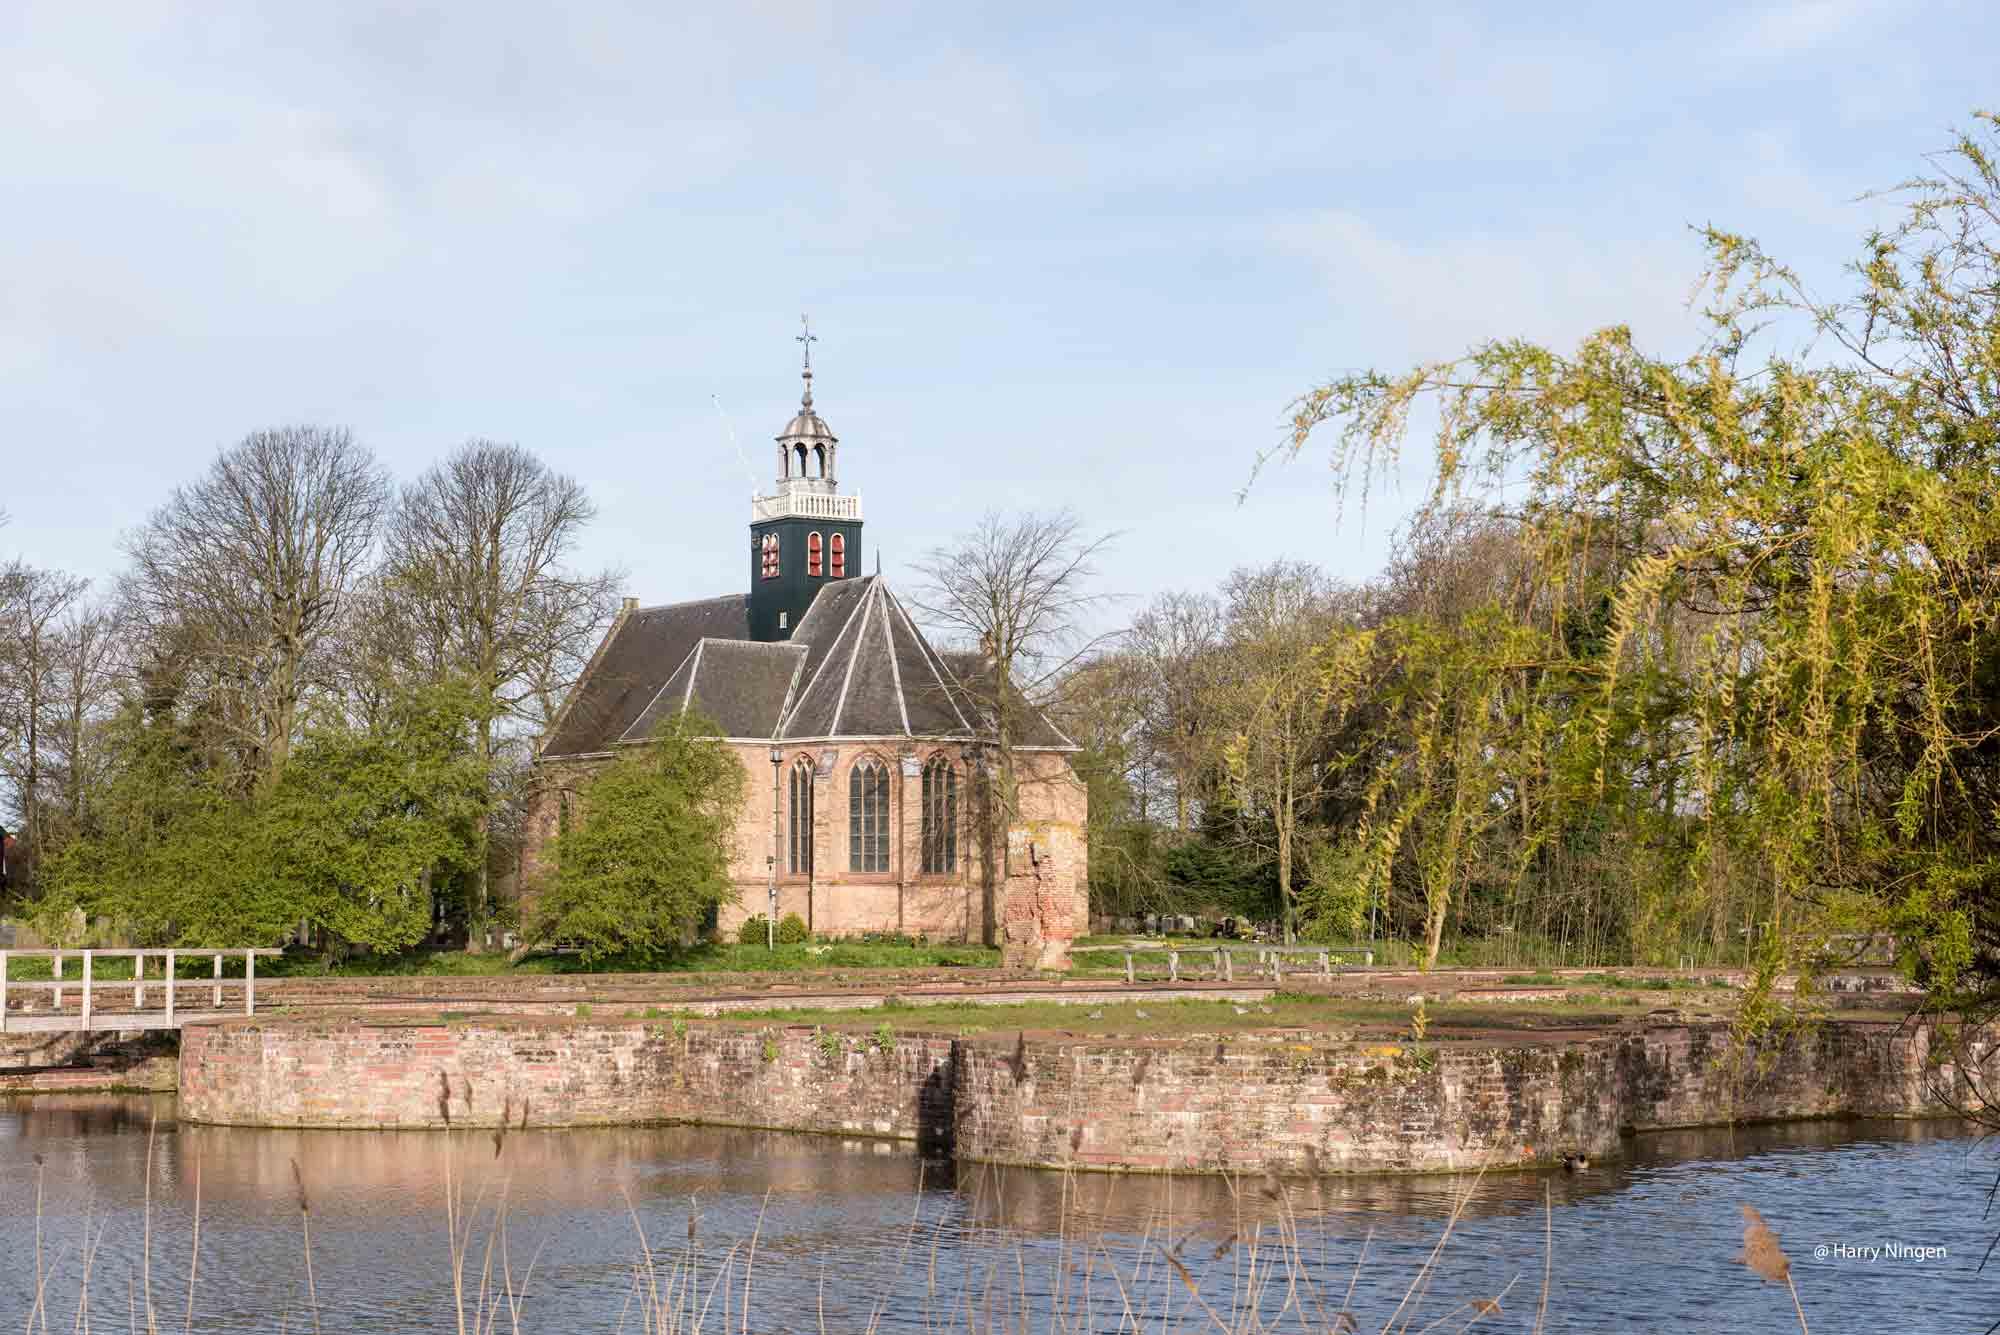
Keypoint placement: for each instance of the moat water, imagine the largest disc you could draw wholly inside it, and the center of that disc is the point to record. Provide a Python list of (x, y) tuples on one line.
[(849, 1234)]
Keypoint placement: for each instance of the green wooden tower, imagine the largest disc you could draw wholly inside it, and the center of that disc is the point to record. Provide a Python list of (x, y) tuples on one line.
[(806, 533)]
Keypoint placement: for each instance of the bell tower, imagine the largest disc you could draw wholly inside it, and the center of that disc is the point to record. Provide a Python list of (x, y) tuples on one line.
[(806, 532)]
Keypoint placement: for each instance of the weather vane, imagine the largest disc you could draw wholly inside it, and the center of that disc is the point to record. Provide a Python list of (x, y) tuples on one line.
[(806, 340)]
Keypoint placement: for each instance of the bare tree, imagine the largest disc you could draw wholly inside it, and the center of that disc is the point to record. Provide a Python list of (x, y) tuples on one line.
[(248, 569), (1020, 590), (33, 606), (88, 671), (1176, 644), (477, 584)]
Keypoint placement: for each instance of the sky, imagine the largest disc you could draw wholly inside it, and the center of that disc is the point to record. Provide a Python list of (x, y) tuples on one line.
[(1077, 256)]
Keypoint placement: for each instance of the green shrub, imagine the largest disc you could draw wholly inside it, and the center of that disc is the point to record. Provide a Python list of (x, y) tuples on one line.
[(752, 932), (650, 858), (1334, 899), (792, 930)]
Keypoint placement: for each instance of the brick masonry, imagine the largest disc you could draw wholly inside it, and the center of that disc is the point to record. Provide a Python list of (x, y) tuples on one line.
[(834, 899), (46, 1063), (559, 1072), (1208, 1104)]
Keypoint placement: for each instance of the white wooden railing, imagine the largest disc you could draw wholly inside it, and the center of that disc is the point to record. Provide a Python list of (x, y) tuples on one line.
[(806, 505), (1270, 961), (89, 1002)]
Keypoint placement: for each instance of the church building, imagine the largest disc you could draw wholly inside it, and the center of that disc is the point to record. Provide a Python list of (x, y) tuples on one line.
[(870, 760)]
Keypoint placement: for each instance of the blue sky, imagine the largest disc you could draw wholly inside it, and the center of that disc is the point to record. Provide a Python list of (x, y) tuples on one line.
[(1056, 255)]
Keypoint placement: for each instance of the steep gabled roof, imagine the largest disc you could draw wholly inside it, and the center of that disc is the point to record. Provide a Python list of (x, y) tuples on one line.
[(825, 618), (645, 646), (741, 684), (973, 677), (856, 666), (876, 677)]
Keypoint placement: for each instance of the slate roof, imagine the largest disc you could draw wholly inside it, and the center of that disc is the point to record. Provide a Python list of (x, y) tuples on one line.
[(856, 666), (876, 677), (972, 668), (741, 684), (644, 647)]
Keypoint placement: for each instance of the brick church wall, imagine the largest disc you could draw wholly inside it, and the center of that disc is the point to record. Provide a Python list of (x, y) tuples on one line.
[(835, 900)]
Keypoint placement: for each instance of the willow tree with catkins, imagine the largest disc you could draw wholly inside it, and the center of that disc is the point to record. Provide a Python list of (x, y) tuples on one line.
[(1759, 643)]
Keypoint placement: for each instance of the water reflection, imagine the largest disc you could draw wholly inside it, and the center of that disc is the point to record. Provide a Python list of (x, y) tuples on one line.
[(854, 1225)]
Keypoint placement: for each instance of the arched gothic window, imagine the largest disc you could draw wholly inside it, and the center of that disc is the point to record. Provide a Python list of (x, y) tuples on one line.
[(868, 816), (799, 452), (768, 555), (837, 556), (940, 816), (819, 461), (815, 551), (801, 846)]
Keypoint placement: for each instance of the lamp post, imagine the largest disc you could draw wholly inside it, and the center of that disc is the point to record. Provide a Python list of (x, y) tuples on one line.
[(777, 842)]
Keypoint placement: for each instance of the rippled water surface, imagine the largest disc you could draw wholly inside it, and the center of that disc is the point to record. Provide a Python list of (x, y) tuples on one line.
[(849, 1233)]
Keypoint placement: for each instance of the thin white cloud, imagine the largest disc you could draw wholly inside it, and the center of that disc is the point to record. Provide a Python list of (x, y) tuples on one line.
[(1800, 26), (1409, 301)]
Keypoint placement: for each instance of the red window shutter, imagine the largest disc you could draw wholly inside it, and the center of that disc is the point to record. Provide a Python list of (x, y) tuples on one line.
[(839, 556), (813, 554)]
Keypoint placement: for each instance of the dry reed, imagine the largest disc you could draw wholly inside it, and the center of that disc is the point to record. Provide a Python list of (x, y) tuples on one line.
[(305, 1230), (1763, 1254), (1257, 1280)]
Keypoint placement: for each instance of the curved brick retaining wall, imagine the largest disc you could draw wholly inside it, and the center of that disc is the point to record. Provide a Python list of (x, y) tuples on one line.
[(1205, 1105)]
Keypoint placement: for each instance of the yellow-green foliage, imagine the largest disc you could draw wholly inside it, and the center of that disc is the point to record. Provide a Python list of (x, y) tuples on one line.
[(1334, 904), (1749, 669)]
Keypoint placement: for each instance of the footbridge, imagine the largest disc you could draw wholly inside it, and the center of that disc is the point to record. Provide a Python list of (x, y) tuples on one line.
[(146, 989)]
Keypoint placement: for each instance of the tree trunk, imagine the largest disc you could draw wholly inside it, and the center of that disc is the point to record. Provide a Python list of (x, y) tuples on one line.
[(31, 780), (482, 837), (281, 706), (1285, 900)]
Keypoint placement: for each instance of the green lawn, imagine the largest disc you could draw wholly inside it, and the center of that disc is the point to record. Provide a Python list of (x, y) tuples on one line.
[(1628, 982), (1325, 1017), (726, 958), (457, 963)]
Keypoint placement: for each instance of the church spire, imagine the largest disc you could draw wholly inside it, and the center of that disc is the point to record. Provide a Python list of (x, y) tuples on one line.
[(806, 339), (807, 532)]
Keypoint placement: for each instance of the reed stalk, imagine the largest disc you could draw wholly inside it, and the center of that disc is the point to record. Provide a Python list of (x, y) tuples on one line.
[(305, 1228), (194, 1252), (1166, 1280)]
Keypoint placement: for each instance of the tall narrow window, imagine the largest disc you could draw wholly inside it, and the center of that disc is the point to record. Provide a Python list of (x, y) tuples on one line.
[(768, 551), (801, 852), (940, 816), (868, 816), (813, 554), (837, 556)]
